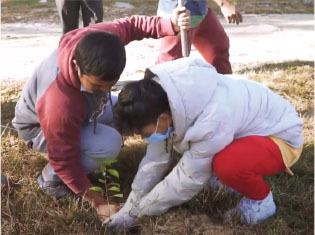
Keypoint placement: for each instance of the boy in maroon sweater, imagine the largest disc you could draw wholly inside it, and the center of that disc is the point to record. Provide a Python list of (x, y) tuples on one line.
[(65, 106)]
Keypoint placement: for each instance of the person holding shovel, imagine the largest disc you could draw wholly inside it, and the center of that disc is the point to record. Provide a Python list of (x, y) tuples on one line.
[(65, 106), (234, 129), (205, 33)]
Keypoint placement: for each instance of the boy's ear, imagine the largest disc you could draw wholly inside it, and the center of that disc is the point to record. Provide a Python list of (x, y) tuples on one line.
[(76, 65)]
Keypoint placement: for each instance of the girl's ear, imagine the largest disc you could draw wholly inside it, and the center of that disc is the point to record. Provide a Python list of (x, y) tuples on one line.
[(165, 117), (148, 74)]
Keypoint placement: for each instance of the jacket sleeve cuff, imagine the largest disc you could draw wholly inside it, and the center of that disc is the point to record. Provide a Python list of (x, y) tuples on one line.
[(166, 27), (74, 177), (80, 186)]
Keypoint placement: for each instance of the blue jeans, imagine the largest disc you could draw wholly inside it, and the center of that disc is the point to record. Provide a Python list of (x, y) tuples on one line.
[(105, 143)]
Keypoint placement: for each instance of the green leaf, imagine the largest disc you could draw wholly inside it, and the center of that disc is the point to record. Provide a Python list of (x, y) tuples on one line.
[(109, 161), (114, 189), (103, 168), (113, 172), (118, 195), (102, 181), (97, 189), (104, 173), (99, 160), (114, 184)]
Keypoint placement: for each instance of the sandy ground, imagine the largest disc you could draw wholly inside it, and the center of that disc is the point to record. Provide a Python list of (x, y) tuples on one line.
[(259, 39)]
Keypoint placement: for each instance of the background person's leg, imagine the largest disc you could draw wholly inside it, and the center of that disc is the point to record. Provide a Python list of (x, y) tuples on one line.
[(92, 11), (59, 5), (69, 14), (106, 143), (212, 43), (243, 163)]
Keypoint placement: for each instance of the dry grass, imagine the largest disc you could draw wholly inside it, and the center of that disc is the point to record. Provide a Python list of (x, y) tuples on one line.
[(26, 210), (271, 6)]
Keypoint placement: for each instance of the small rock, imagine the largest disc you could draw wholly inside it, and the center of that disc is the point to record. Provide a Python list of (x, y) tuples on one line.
[(4, 180), (123, 5)]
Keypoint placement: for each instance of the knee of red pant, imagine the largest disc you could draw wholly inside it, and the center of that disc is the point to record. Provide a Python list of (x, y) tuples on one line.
[(223, 67), (221, 60), (224, 170)]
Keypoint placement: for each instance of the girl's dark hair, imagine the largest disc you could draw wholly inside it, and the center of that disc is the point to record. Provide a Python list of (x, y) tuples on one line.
[(139, 103), (101, 54)]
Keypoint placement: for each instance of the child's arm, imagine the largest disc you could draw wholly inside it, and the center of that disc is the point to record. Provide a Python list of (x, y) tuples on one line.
[(129, 29), (151, 170), (189, 176), (184, 182), (186, 179), (139, 27)]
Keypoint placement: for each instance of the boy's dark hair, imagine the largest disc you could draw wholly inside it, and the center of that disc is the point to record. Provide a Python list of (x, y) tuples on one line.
[(101, 54), (139, 103)]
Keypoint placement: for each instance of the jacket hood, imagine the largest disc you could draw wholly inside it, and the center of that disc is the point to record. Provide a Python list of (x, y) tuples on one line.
[(189, 84), (67, 46)]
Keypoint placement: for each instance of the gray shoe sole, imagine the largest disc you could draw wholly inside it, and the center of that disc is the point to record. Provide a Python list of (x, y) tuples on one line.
[(53, 188)]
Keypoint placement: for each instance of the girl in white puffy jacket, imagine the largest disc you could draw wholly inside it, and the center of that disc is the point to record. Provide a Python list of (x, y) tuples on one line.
[(235, 129)]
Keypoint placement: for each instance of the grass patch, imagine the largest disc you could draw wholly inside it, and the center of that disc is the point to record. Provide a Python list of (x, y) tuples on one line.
[(25, 3), (270, 6), (14, 11), (293, 80), (33, 11), (26, 210)]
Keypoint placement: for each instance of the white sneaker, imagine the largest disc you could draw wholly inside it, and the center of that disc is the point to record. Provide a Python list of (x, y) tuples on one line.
[(254, 211)]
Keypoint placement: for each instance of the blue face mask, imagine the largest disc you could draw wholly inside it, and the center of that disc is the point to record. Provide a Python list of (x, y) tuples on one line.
[(157, 137)]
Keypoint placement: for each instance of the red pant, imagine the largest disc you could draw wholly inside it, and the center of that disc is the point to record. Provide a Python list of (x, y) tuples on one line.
[(243, 163), (209, 38)]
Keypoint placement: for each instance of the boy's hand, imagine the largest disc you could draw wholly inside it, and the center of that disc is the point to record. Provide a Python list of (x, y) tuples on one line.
[(231, 14), (98, 202), (180, 19)]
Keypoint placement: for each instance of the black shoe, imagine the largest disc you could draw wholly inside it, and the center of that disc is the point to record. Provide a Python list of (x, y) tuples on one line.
[(53, 188)]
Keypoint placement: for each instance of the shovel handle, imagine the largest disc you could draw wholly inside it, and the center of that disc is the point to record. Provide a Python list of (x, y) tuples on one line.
[(183, 35)]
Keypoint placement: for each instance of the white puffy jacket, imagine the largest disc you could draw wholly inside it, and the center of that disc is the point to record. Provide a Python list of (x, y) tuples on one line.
[(209, 111)]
